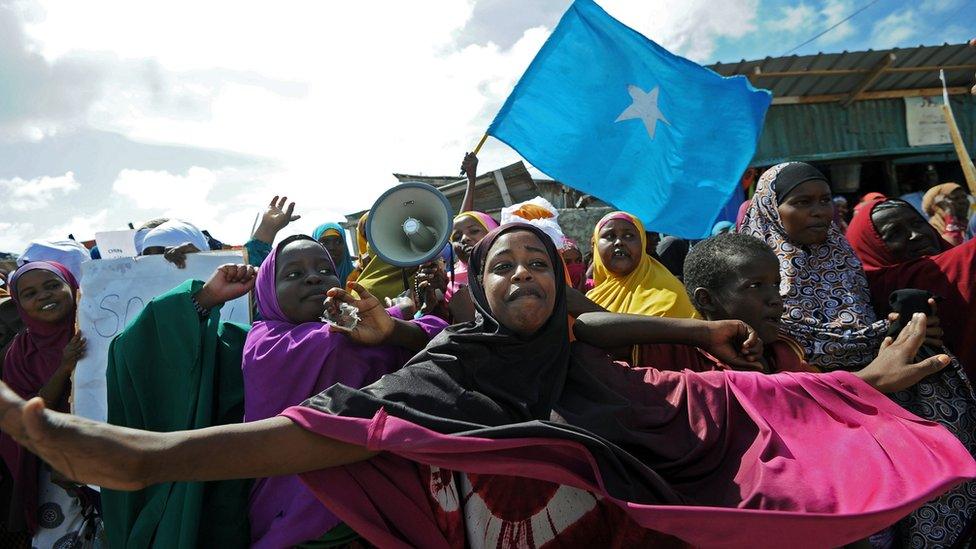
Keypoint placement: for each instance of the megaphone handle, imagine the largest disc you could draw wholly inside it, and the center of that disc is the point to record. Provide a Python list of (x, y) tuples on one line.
[(406, 280)]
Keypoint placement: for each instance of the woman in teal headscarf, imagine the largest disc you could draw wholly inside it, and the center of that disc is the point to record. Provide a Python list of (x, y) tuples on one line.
[(333, 237)]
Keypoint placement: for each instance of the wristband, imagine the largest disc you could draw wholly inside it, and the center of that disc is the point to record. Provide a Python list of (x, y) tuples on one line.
[(202, 311)]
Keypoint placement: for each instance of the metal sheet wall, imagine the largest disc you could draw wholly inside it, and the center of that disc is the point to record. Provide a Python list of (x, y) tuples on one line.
[(827, 131)]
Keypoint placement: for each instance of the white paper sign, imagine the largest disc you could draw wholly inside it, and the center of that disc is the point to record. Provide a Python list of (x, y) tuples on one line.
[(924, 122), (113, 291), (116, 244)]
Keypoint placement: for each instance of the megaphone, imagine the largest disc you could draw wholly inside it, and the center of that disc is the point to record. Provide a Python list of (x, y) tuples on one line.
[(409, 224)]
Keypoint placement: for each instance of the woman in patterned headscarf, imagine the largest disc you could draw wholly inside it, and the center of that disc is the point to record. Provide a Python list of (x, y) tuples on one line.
[(828, 304)]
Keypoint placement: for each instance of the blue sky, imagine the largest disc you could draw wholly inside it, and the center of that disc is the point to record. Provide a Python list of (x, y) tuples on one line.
[(117, 111), (885, 24)]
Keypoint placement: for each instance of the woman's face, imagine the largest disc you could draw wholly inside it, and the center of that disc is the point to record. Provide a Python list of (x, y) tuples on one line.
[(467, 233), (955, 203), (905, 233), (44, 296), (807, 213), (573, 256), (519, 282), (619, 246), (303, 275), (335, 246)]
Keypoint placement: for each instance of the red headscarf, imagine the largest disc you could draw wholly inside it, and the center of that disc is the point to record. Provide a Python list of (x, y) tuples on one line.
[(867, 199), (950, 275), (32, 358)]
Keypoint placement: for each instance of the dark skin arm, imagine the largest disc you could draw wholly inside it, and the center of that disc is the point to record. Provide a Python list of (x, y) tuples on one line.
[(731, 341), (470, 168), (127, 459), (462, 307), (577, 303), (278, 215), (53, 391)]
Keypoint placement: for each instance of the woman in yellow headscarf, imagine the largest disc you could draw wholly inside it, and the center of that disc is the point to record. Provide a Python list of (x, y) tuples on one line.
[(626, 279)]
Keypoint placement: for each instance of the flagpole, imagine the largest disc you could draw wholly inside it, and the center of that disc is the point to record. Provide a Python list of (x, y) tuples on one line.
[(477, 148), (964, 159)]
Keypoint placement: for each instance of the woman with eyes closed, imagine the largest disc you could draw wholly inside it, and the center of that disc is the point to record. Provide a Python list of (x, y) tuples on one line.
[(39, 363), (501, 433), (827, 304), (626, 279), (900, 249)]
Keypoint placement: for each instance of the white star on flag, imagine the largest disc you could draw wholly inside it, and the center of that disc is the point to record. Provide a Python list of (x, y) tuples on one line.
[(644, 107)]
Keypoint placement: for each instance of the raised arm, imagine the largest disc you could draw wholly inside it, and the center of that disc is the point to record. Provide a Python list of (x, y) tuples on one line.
[(275, 218), (470, 167)]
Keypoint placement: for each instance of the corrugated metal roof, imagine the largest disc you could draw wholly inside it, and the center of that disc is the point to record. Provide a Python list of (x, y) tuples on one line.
[(829, 131), (841, 73)]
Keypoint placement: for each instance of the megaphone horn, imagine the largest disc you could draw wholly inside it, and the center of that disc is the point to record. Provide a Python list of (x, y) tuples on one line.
[(409, 224)]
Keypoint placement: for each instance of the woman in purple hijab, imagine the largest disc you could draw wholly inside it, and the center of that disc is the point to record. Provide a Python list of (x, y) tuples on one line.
[(291, 355)]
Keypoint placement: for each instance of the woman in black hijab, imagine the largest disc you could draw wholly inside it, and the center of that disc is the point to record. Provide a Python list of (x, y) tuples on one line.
[(712, 458)]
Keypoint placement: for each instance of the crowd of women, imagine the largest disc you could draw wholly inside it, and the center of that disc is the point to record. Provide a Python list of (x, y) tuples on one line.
[(798, 379)]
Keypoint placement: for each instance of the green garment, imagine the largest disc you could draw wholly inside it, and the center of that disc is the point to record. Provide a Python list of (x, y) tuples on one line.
[(171, 371), (257, 251)]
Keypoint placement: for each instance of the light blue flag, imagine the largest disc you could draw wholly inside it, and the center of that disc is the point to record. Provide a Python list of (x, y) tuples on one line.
[(610, 113)]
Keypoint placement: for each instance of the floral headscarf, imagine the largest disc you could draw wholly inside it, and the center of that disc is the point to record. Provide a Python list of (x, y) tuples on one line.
[(825, 293)]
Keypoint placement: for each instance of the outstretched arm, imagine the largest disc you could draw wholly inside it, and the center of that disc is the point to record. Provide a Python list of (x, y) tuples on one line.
[(129, 459), (731, 341)]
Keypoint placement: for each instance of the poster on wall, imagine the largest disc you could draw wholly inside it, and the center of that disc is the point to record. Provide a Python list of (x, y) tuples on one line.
[(924, 121)]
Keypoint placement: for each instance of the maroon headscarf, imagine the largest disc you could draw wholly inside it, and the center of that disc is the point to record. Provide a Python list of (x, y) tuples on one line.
[(31, 360), (950, 275)]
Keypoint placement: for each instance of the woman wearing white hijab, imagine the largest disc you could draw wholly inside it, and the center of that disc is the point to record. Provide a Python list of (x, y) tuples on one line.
[(171, 234), (69, 253)]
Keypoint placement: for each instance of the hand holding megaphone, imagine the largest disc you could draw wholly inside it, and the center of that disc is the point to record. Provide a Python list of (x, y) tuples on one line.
[(429, 286)]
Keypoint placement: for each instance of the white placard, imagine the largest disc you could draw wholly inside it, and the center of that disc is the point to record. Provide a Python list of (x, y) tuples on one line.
[(113, 291), (116, 244), (924, 122)]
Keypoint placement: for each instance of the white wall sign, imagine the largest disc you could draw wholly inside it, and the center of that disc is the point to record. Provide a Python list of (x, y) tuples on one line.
[(924, 121), (113, 291)]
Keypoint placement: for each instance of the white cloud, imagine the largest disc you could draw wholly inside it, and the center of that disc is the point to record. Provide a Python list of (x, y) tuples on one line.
[(34, 194), (691, 28), (895, 29), (337, 96), (833, 12), (15, 236), (798, 18), (163, 190), (83, 227), (937, 6)]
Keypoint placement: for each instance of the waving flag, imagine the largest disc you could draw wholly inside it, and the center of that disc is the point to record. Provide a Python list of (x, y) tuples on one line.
[(610, 113)]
